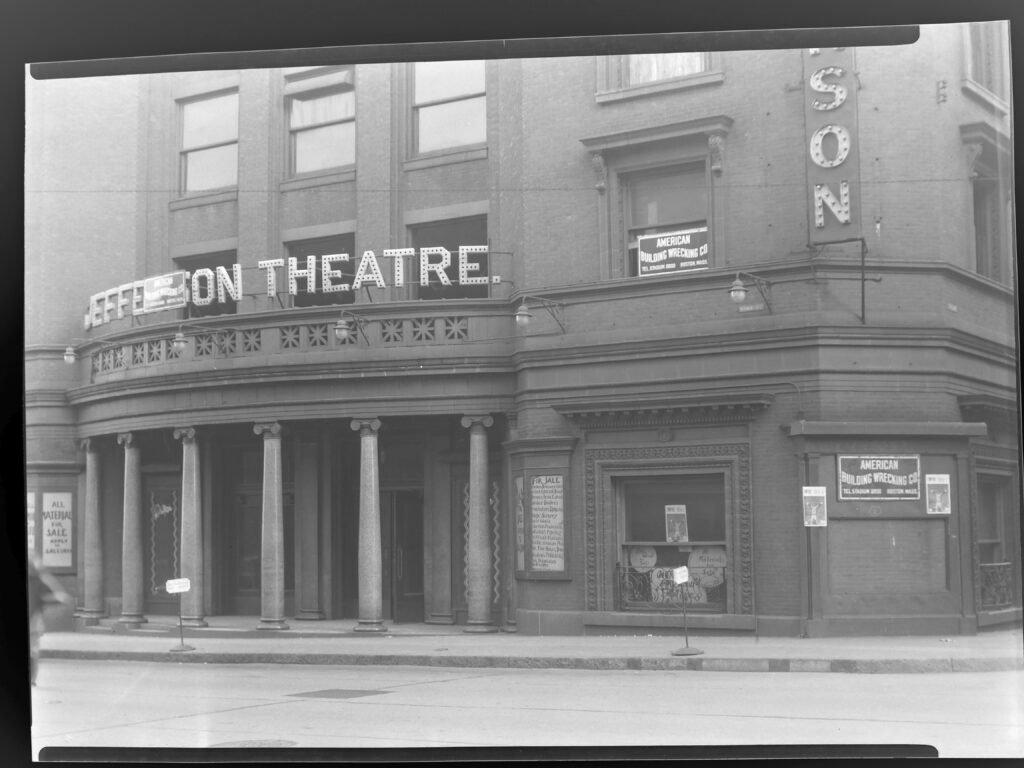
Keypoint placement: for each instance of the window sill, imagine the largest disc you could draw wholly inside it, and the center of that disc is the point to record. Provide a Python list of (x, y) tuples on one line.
[(664, 86), (985, 97), (446, 157), (319, 179), (205, 198)]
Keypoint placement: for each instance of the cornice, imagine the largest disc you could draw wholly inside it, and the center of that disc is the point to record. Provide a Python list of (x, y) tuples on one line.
[(681, 411), (886, 428), (704, 126)]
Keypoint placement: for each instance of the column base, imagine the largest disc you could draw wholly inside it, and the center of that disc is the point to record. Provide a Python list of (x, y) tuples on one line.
[(193, 621), (479, 627), (272, 624), (91, 618), (369, 626)]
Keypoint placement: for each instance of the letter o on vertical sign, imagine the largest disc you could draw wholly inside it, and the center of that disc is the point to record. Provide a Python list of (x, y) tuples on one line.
[(842, 146)]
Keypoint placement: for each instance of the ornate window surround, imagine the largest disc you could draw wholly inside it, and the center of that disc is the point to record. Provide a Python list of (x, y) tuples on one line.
[(617, 154)]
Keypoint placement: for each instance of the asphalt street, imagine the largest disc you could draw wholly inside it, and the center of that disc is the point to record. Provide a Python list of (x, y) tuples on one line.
[(85, 703)]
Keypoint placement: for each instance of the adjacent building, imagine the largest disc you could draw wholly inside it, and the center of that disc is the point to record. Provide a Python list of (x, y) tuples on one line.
[(509, 343)]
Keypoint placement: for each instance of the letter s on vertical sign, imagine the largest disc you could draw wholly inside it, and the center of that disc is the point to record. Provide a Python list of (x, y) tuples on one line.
[(818, 84)]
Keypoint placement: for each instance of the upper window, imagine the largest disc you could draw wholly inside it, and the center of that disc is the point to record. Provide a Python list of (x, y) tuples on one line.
[(987, 62), (449, 105), (450, 234), (321, 123), (327, 246), (209, 143), (639, 69), (987, 227), (661, 201)]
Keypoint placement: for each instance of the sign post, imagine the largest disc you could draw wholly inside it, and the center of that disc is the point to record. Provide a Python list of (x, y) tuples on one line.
[(178, 586), (681, 576)]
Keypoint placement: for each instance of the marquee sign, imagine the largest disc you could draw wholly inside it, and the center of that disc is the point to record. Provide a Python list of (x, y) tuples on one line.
[(207, 285), (879, 477), (830, 134), (670, 253)]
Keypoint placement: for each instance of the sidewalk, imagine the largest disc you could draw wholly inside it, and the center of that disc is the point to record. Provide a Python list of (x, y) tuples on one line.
[(234, 640)]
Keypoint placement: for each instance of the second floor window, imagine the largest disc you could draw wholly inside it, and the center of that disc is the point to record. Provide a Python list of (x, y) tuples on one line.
[(321, 124), (449, 105), (450, 234), (652, 67), (319, 248), (663, 200), (209, 143)]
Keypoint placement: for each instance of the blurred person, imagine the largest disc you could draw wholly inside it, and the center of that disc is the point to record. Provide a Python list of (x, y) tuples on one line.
[(43, 589)]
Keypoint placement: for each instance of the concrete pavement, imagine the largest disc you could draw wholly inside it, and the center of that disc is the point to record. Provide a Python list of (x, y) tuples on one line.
[(234, 640)]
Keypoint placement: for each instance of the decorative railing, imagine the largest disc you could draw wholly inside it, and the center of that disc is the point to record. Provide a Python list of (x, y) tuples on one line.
[(375, 332), (655, 589), (996, 585)]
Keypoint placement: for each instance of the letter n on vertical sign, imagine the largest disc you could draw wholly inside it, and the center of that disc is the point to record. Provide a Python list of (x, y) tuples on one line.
[(831, 151)]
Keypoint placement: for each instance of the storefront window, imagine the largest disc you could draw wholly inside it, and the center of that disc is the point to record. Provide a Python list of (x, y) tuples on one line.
[(670, 521)]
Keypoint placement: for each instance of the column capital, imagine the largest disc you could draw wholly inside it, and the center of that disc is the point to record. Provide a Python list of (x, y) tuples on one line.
[(485, 420), (358, 425), (125, 438), (187, 434), (86, 444), (269, 429)]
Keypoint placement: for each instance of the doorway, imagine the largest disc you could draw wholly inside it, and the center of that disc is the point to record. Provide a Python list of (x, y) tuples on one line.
[(402, 540)]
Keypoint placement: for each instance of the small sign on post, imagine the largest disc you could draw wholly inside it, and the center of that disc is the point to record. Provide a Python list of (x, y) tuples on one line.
[(178, 587), (681, 576)]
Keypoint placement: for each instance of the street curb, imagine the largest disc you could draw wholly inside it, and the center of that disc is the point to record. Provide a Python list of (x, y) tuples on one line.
[(690, 663)]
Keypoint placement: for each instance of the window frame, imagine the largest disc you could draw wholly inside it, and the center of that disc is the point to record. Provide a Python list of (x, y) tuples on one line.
[(183, 153), (994, 34), (319, 298), (613, 85), (414, 115), (319, 81), (626, 185), (210, 260), (617, 481), (414, 274)]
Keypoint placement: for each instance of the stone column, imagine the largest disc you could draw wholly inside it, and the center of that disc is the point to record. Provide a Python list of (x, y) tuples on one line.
[(92, 539), (272, 552), (132, 590), (478, 549), (191, 529), (307, 527), (371, 596)]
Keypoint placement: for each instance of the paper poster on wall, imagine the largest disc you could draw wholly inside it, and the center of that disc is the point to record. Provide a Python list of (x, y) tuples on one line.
[(938, 494), (815, 513), (57, 530), (547, 523), (520, 527), (676, 528), (31, 521), (879, 477)]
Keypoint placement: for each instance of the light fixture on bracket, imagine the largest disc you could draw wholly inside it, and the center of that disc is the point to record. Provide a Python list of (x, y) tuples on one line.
[(554, 308), (738, 290), (348, 325), (71, 354)]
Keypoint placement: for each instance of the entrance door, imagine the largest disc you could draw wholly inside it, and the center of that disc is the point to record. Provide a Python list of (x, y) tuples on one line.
[(402, 518), (162, 509)]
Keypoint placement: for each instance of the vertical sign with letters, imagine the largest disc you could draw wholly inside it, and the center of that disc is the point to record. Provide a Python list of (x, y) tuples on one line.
[(831, 144)]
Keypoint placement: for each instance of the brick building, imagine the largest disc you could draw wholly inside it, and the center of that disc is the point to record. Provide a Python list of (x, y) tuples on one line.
[(507, 343)]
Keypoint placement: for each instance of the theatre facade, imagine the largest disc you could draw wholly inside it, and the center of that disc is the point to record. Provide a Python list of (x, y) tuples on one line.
[(580, 345)]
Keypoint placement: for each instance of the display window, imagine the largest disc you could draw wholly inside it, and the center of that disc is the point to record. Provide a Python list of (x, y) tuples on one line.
[(667, 522)]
